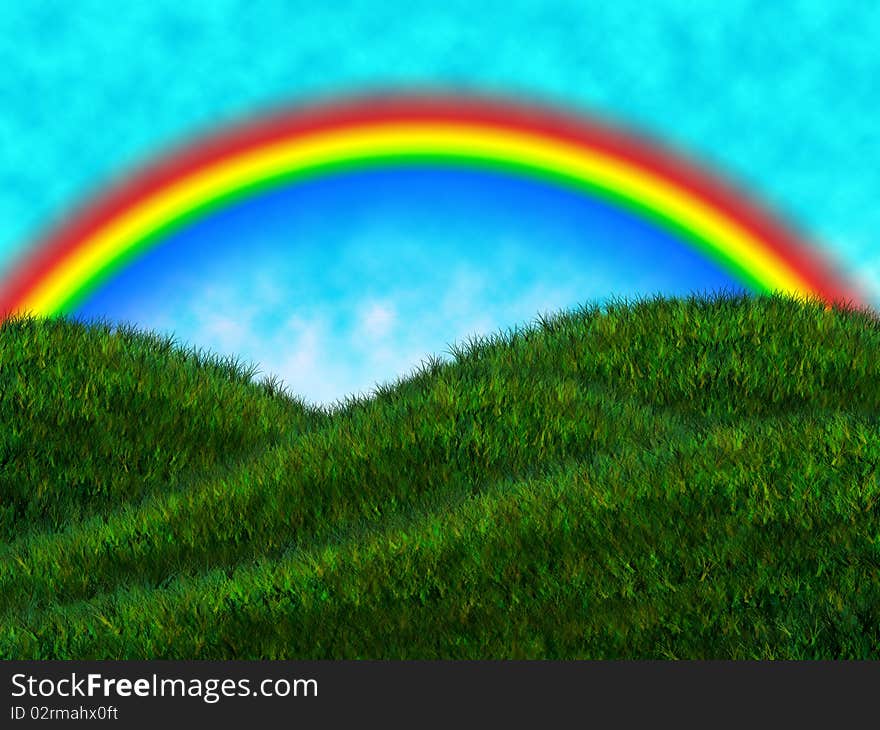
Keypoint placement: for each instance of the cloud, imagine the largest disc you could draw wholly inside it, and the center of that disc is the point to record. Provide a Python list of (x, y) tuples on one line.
[(300, 345), (466, 286), (217, 318), (860, 264), (376, 320), (226, 332)]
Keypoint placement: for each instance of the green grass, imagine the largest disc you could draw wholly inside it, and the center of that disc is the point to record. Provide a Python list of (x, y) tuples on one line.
[(669, 478)]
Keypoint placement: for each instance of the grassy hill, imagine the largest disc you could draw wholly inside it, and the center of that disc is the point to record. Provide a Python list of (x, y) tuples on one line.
[(668, 478)]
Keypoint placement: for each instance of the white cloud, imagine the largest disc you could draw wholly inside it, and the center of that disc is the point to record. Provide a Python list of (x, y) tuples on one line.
[(303, 353), (467, 287), (298, 346), (868, 280), (376, 319), (216, 320), (858, 259), (225, 332)]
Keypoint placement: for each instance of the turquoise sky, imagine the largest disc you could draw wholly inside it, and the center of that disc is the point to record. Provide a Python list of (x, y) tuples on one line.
[(780, 98)]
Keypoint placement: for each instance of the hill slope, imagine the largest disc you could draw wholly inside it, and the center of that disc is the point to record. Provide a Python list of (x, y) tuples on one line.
[(670, 478)]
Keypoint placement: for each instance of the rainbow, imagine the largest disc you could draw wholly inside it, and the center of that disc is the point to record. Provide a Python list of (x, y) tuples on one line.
[(298, 145)]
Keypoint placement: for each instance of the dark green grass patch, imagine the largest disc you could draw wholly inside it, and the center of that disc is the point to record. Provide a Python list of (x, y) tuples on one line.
[(683, 478)]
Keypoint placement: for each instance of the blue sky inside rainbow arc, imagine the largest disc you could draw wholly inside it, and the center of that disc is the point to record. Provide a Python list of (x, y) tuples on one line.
[(414, 260)]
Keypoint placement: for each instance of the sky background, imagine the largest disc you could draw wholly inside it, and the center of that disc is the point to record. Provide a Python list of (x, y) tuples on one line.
[(779, 98)]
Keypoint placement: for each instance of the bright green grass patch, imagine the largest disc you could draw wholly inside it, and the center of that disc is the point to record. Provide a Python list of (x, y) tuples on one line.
[(668, 478)]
